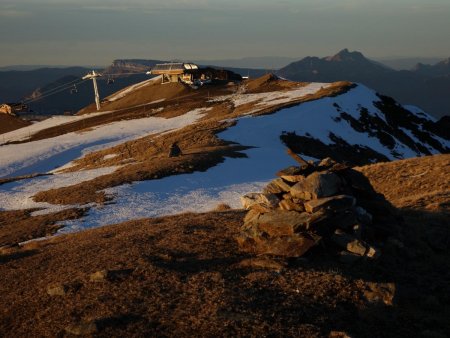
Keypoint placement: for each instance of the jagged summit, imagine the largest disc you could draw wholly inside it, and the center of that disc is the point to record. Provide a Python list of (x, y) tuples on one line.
[(426, 86), (440, 69), (346, 56)]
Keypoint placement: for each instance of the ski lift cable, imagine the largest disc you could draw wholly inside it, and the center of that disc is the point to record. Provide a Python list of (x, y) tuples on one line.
[(70, 84), (56, 89), (64, 84), (52, 93), (78, 79)]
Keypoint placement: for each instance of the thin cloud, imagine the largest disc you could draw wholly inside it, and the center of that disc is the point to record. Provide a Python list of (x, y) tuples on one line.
[(13, 13)]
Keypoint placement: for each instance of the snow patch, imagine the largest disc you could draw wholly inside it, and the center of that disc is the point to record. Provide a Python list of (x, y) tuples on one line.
[(46, 154), (109, 156), (18, 195), (25, 133)]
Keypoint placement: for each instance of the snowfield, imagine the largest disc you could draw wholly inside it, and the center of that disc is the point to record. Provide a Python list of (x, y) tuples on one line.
[(199, 191)]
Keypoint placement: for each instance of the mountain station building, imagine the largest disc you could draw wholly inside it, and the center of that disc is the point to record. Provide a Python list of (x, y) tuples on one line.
[(175, 72), (192, 74)]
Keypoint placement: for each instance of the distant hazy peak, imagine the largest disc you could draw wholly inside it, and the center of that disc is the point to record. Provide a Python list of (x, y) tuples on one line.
[(445, 61), (346, 55)]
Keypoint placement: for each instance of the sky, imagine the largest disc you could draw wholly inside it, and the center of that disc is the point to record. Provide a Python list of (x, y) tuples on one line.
[(94, 32)]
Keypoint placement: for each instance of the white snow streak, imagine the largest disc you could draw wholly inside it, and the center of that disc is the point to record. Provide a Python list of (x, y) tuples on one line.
[(129, 89), (45, 155)]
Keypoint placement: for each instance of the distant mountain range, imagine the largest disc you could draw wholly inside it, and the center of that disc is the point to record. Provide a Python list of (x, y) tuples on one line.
[(15, 84), (407, 63), (426, 86)]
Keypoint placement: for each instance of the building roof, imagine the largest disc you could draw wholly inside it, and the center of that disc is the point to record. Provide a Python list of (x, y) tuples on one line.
[(173, 68)]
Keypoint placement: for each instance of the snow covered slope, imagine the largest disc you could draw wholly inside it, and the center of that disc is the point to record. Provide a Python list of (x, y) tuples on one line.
[(360, 121), (357, 126), (47, 154)]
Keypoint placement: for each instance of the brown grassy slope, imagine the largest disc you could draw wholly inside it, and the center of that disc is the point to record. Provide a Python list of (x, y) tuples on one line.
[(413, 183), (146, 94), (269, 83), (9, 123), (175, 276), (181, 276)]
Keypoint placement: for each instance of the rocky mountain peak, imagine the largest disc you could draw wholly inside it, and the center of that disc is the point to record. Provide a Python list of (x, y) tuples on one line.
[(346, 55)]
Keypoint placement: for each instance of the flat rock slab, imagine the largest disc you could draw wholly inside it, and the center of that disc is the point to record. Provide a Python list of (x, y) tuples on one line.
[(290, 205), (293, 178), (250, 199), (277, 186), (317, 185), (335, 203), (281, 222), (353, 245), (292, 170)]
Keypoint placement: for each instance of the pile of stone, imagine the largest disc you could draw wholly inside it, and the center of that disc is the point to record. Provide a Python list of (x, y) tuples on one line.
[(305, 206)]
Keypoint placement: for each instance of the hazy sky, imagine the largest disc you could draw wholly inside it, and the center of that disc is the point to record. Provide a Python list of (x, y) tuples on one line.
[(87, 32)]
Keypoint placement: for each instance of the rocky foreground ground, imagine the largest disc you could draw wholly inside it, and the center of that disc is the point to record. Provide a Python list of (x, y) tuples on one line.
[(185, 276)]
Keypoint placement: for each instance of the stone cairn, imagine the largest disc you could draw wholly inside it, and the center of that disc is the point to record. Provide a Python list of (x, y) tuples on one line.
[(304, 206)]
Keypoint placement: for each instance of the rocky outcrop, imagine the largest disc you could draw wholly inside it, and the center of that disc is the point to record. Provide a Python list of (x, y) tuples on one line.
[(6, 109), (327, 202)]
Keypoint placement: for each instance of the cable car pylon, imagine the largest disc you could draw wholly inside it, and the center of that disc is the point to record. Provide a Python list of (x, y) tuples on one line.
[(94, 75)]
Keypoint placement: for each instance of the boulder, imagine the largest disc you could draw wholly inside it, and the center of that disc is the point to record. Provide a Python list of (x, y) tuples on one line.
[(277, 186), (380, 293), (292, 170), (327, 162), (290, 205), (281, 222), (293, 178), (353, 245), (317, 185), (56, 290), (261, 208), (335, 203), (251, 217), (269, 200), (98, 276)]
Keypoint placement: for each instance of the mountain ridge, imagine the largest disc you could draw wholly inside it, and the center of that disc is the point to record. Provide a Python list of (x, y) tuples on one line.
[(218, 129), (424, 87)]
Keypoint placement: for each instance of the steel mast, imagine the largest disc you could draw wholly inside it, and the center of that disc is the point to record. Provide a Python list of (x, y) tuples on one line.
[(94, 75)]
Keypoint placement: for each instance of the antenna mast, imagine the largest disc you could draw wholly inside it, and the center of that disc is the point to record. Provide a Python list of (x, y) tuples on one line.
[(94, 75)]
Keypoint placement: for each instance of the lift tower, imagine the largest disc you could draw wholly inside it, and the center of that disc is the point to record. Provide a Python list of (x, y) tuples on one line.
[(94, 75)]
